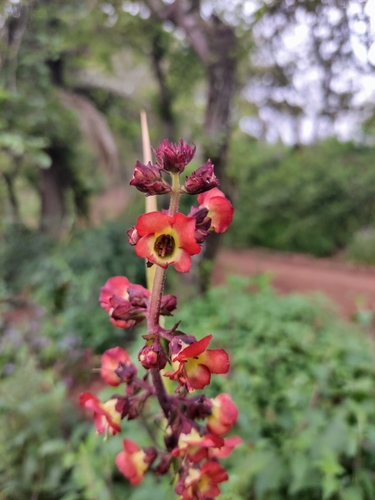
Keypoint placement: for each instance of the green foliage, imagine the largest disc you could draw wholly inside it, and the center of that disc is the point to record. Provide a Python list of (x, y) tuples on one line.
[(361, 248), (37, 429), (65, 279), (304, 385), (310, 199), (302, 379)]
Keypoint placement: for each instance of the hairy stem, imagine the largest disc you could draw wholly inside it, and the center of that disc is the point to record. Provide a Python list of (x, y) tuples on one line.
[(175, 195), (154, 309)]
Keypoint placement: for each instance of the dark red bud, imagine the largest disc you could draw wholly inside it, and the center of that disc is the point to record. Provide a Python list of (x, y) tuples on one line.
[(122, 406), (168, 304), (152, 356), (123, 310), (201, 180), (164, 464), (133, 412), (148, 180), (174, 157), (150, 455), (126, 372), (138, 297)]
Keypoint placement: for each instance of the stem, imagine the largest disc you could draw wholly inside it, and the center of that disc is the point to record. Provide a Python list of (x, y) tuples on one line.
[(175, 195), (154, 309), (161, 393)]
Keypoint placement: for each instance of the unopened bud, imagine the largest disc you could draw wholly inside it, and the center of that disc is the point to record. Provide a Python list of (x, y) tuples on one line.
[(148, 180), (201, 180), (150, 455), (152, 356), (174, 157), (168, 304)]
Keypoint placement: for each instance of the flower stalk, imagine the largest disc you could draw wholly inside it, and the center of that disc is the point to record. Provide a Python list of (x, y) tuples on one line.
[(168, 239)]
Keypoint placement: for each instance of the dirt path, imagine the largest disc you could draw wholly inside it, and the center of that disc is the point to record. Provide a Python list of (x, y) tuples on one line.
[(347, 285)]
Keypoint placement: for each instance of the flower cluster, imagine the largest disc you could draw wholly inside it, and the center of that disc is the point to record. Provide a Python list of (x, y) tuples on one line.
[(193, 425)]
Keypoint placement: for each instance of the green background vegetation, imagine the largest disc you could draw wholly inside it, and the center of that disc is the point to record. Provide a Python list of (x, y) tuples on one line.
[(302, 379)]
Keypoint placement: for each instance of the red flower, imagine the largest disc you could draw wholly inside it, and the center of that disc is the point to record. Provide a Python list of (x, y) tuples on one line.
[(167, 240), (229, 444), (202, 483), (107, 416), (196, 364), (219, 208), (224, 414), (196, 446), (114, 298), (174, 157), (133, 462), (117, 366)]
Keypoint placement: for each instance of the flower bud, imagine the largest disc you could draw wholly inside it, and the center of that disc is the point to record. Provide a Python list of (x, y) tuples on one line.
[(174, 157), (152, 356), (168, 304), (148, 180), (201, 180)]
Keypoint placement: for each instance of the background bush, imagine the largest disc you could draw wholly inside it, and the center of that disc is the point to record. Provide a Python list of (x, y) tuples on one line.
[(64, 280), (311, 199)]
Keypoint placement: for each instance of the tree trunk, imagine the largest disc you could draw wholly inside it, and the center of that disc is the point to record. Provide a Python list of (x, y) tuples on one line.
[(221, 73), (53, 205)]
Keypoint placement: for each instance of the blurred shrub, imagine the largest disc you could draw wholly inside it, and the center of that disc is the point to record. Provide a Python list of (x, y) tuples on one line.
[(361, 248), (303, 381), (38, 428), (310, 199), (65, 279), (305, 386)]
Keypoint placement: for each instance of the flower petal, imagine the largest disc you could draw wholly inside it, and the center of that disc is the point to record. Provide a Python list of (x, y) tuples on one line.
[(152, 223), (217, 360), (199, 376), (194, 349)]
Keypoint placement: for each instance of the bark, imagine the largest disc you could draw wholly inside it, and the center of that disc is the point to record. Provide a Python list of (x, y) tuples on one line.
[(165, 94), (53, 187), (13, 201)]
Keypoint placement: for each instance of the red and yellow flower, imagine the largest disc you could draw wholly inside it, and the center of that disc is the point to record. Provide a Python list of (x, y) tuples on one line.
[(224, 414), (133, 461), (219, 208), (167, 240), (107, 416), (202, 482), (117, 367), (195, 363), (196, 447)]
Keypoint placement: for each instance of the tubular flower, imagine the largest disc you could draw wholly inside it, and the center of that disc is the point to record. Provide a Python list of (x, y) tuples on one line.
[(196, 363), (202, 483), (125, 303), (219, 208), (195, 446), (224, 414), (167, 240), (107, 416), (174, 157), (133, 462), (117, 367)]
